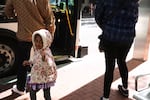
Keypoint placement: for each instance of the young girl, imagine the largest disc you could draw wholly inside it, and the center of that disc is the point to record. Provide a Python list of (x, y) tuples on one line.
[(43, 71)]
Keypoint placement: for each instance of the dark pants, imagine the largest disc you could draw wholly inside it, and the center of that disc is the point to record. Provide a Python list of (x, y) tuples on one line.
[(24, 54), (115, 52), (46, 94)]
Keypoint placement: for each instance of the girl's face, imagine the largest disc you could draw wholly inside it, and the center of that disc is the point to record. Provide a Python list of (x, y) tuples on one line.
[(38, 42)]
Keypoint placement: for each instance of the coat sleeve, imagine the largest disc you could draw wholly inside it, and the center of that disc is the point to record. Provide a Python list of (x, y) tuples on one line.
[(31, 54), (99, 12), (47, 14), (9, 9)]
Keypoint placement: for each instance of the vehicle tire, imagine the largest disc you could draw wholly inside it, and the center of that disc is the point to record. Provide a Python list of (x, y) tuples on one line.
[(8, 56)]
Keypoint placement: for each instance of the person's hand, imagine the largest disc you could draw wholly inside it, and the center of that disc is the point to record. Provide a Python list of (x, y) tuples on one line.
[(53, 73), (101, 43), (101, 46), (43, 55), (25, 63), (52, 29)]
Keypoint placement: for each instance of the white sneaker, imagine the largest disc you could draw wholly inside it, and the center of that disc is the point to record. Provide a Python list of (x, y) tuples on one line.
[(14, 89)]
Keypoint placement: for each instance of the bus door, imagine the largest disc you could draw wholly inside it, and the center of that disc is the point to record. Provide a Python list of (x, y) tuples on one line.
[(65, 34)]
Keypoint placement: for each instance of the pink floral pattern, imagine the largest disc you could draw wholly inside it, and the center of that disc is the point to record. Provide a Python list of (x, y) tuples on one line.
[(41, 71)]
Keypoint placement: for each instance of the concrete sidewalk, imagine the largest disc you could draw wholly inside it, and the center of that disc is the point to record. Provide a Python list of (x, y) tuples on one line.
[(82, 79), (94, 89)]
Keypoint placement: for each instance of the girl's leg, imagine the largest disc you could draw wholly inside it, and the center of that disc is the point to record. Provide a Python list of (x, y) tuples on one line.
[(33, 94), (47, 95)]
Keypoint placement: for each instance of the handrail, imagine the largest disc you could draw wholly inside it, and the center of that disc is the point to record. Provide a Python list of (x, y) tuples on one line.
[(68, 20)]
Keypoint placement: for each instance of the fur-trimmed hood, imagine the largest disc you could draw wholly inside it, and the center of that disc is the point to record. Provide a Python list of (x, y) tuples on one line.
[(46, 38)]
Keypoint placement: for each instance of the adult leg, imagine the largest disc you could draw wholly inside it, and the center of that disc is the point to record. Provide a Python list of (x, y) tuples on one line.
[(24, 50), (123, 50), (47, 95), (110, 65)]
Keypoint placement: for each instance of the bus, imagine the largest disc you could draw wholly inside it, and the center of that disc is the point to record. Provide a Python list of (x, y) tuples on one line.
[(66, 13)]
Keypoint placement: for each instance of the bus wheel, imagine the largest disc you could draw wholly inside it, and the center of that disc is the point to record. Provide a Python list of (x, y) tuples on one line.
[(8, 55)]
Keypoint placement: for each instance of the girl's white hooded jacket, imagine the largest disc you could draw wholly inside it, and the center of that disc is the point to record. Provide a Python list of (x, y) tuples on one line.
[(42, 71)]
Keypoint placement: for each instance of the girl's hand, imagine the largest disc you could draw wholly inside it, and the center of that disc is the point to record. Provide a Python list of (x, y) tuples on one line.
[(43, 55), (25, 63)]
